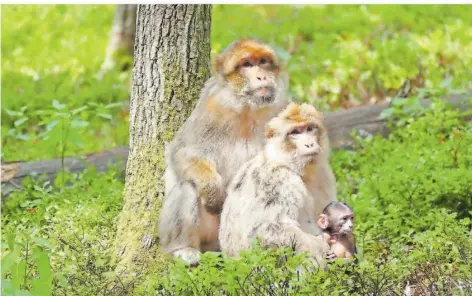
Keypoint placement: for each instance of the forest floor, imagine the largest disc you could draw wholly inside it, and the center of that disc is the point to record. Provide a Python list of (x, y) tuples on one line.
[(411, 191)]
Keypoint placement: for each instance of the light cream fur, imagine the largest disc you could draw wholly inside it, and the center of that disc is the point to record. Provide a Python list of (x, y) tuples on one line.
[(277, 198)]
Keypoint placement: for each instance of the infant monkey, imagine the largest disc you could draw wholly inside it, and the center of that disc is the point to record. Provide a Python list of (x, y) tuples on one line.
[(337, 222)]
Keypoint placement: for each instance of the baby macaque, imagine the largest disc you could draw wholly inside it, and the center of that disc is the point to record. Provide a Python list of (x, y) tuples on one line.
[(337, 222)]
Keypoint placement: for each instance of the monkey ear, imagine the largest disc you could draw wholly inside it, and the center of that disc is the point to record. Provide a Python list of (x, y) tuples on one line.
[(270, 133), (219, 64), (323, 221)]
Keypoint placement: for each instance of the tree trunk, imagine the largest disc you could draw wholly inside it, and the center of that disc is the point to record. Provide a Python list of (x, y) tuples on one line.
[(172, 62), (121, 45)]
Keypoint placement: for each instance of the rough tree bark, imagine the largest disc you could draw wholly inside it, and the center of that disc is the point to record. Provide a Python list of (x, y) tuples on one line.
[(172, 62), (121, 45)]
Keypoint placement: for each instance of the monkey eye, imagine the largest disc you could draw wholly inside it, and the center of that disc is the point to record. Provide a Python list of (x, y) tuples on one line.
[(310, 128), (295, 132), (263, 61), (247, 64)]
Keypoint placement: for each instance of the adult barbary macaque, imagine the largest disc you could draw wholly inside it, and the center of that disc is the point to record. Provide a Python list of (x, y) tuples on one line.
[(225, 129), (337, 222), (268, 198)]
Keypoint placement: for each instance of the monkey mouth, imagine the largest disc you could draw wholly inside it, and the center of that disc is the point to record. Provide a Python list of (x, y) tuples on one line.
[(311, 157), (265, 94)]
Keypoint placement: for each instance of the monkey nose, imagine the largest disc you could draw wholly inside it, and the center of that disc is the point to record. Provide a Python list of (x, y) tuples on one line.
[(309, 145), (261, 78)]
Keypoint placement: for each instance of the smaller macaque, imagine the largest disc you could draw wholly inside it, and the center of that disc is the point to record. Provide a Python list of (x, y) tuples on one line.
[(337, 222)]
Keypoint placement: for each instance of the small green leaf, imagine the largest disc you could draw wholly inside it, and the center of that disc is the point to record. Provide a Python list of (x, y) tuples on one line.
[(43, 285), (18, 274), (62, 279), (12, 113), (8, 261), (20, 121), (7, 288), (79, 123), (105, 115), (386, 113), (399, 101), (58, 105), (113, 105), (42, 242), (23, 137), (75, 111), (52, 124), (11, 241)]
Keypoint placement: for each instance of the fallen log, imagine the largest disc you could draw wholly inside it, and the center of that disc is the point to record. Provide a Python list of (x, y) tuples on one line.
[(364, 119), (13, 173)]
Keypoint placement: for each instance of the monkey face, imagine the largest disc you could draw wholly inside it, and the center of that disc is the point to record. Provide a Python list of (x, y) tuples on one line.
[(259, 80), (251, 69), (346, 223), (337, 218), (306, 141), (297, 136)]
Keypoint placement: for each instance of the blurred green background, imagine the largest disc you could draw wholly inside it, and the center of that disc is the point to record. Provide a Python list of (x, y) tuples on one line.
[(338, 56)]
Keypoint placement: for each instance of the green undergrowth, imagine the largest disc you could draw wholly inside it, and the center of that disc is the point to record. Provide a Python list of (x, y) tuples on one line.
[(411, 193), (337, 56)]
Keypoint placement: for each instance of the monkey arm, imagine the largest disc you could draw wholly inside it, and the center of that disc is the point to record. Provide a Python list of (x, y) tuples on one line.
[(305, 242), (193, 165), (282, 205)]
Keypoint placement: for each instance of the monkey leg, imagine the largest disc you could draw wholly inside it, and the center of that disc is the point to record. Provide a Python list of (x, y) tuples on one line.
[(187, 228), (208, 230), (179, 223)]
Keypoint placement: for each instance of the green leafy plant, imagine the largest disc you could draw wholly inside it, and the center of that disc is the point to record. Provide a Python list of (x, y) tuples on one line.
[(410, 192), (60, 122), (26, 270), (351, 55)]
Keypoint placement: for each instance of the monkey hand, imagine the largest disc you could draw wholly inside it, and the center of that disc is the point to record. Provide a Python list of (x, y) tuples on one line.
[(332, 240), (212, 194), (319, 249), (331, 255)]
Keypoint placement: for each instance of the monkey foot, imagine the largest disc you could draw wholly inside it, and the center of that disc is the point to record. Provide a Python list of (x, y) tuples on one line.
[(189, 255)]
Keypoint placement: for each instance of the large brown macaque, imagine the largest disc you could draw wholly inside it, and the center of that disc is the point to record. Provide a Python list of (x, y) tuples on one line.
[(225, 129)]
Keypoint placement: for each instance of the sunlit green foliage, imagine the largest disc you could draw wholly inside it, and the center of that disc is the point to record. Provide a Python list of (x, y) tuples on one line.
[(411, 193), (336, 55), (52, 53)]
